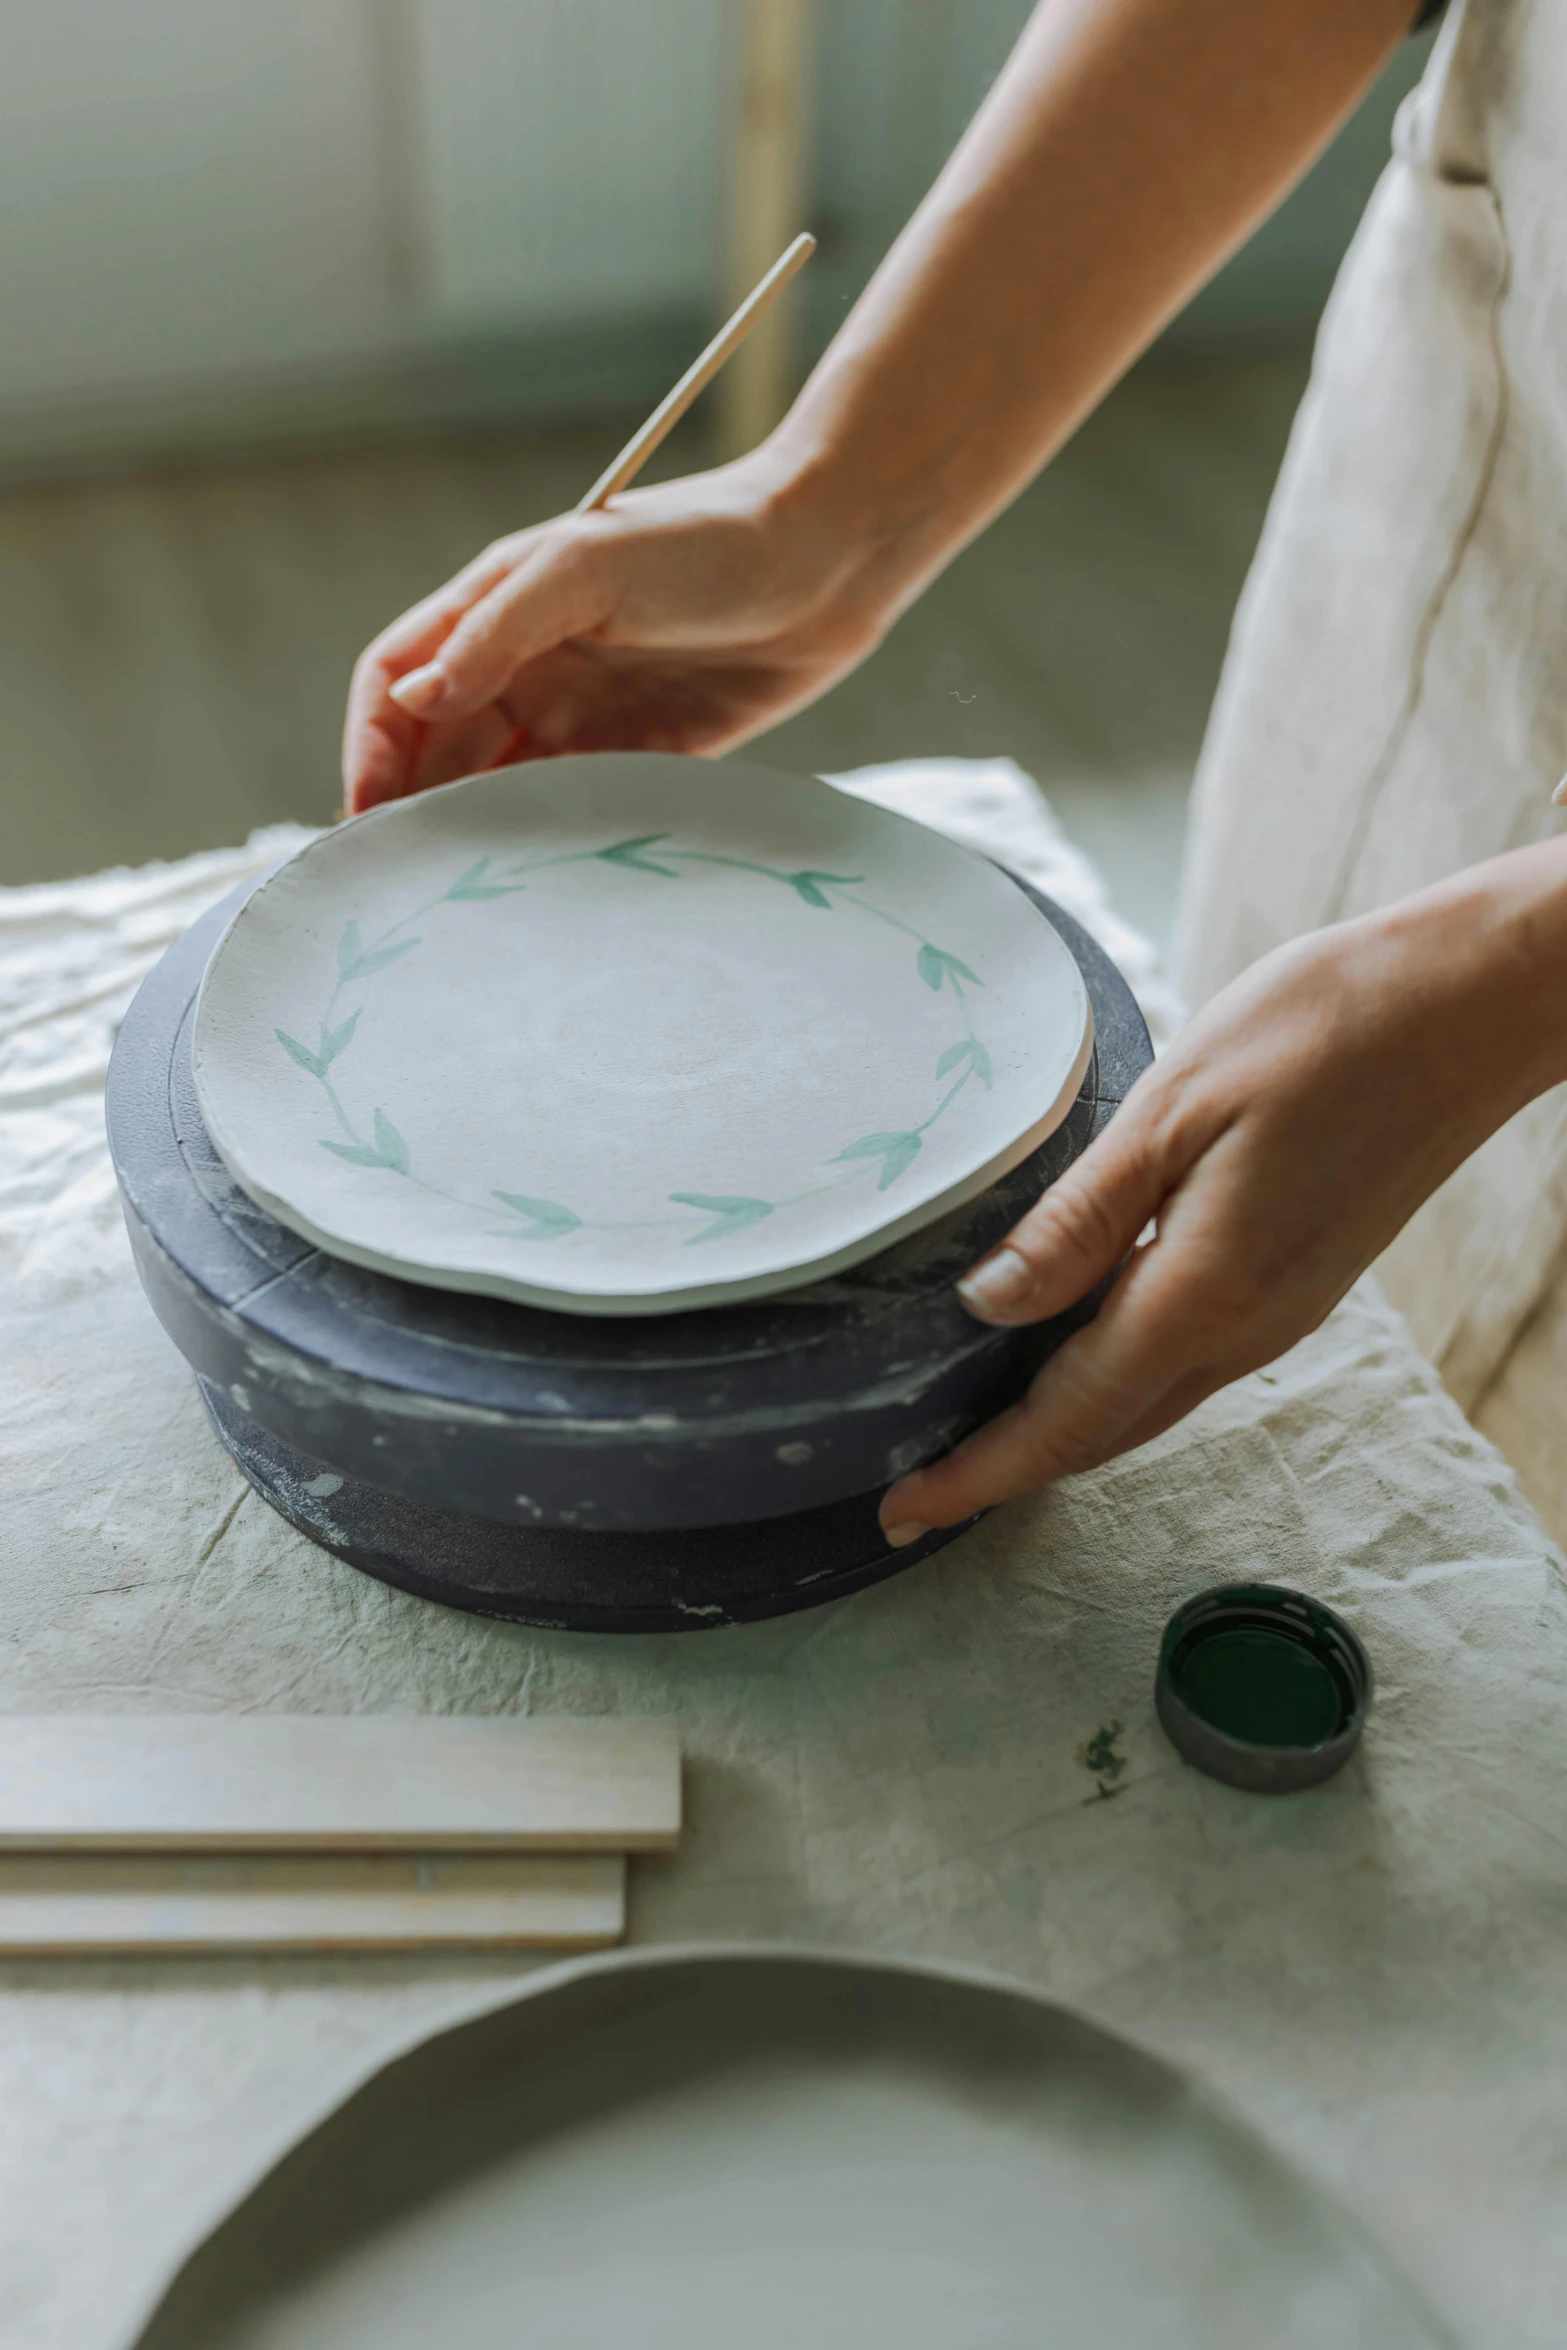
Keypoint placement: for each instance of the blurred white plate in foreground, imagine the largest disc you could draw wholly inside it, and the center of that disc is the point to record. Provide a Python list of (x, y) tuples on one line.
[(703, 2150)]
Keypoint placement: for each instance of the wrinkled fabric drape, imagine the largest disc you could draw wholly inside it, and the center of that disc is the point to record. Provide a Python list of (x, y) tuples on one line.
[(962, 1764), (1394, 703)]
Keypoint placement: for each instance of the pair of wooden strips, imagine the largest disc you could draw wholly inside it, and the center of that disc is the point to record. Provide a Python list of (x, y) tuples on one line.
[(314, 1831)]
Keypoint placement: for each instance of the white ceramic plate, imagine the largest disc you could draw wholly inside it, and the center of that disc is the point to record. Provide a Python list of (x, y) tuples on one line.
[(763, 2152), (632, 1033)]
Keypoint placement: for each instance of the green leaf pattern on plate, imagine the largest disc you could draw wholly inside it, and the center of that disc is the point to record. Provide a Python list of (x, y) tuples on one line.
[(472, 885), (385, 1149), (813, 887), (550, 1221), (390, 1144), (897, 1153), (967, 1049), (333, 1041), (358, 1154), (357, 962), (939, 969), (729, 1214), (300, 1053), (388, 1150), (629, 854)]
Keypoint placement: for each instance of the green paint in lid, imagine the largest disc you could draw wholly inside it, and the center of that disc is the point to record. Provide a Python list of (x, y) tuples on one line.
[(1262, 1687)]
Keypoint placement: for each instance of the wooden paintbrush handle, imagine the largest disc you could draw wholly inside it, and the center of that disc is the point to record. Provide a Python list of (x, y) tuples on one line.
[(698, 375)]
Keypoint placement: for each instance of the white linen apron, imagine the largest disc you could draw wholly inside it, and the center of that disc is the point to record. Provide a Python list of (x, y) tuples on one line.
[(1394, 702)]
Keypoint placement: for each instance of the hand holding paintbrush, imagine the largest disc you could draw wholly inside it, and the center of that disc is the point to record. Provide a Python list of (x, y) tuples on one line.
[(551, 642)]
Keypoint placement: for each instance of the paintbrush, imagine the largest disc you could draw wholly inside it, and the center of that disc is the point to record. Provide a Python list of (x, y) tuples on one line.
[(698, 375)]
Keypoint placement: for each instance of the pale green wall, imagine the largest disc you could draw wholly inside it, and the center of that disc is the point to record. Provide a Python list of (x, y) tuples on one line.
[(898, 80), (221, 222)]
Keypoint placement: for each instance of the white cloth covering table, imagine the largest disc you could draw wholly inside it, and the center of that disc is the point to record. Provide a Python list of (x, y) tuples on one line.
[(962, 1763)]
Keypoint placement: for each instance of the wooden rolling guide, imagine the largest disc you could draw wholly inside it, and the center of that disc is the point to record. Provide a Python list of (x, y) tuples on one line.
[(310, 1831)]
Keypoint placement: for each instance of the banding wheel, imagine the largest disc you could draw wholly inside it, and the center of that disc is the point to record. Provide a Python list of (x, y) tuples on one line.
[(621, 1475)]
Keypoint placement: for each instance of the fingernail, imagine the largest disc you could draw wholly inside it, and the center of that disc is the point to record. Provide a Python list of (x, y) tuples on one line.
[(1001, 1281), (1559, 795), (899, 1537), (422, 690)]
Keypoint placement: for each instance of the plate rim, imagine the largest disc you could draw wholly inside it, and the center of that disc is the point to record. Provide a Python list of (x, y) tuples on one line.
[(586, 1300)]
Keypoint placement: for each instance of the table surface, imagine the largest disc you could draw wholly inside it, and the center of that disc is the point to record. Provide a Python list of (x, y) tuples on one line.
[(962, 1763)]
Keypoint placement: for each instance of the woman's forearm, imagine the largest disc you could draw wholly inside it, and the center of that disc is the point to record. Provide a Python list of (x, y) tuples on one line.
[(1126, 149), (1487, 954)]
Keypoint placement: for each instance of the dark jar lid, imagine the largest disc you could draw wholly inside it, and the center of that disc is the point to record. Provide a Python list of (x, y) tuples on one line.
[(1262, 1687)]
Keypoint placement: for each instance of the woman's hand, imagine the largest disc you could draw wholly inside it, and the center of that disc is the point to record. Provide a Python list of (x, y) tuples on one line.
[(684, 617), (1285, 1138)]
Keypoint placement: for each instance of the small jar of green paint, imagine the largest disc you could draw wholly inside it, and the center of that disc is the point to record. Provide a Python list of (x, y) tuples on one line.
[(1262, 1687)]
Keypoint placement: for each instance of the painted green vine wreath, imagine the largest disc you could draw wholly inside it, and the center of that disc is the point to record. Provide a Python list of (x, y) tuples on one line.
[(720, 1215)]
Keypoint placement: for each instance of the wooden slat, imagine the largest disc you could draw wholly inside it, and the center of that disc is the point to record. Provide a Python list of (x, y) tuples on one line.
[(321, 1782), (319, 1901), (766, 207)]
